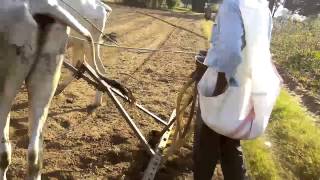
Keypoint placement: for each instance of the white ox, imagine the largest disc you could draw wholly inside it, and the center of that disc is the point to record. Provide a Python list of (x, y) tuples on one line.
[(33, 37), (93, 16)]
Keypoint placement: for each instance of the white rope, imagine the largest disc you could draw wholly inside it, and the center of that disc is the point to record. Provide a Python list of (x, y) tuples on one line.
[(139, 49)]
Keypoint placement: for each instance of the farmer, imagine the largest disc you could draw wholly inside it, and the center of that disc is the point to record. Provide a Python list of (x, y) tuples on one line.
[(224, 55)]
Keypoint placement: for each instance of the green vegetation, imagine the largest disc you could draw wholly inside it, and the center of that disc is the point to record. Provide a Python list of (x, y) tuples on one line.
[(215, 8), (181, 9), (295, 149), (296, 138), (172, 3), (296, 50), (259, 160)]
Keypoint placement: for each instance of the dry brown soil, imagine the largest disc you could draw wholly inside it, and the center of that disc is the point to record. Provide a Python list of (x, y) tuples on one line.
[(84, 144)]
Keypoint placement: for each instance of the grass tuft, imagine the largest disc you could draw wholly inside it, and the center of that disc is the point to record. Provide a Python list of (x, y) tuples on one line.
[(181, 9), (259, 160), (296, 138)]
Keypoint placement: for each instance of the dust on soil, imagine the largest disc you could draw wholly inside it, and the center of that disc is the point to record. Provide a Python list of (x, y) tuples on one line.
[(80, 144)]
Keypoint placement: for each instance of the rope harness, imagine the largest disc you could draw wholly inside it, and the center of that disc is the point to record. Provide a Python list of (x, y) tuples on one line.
[(187, 97), (182, 129)]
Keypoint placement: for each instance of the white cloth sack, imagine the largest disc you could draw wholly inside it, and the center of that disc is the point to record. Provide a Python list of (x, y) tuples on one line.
[(243, 112)]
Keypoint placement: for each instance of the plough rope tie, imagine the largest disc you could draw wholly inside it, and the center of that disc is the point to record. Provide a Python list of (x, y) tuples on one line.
[(182, 127), (138, 49)]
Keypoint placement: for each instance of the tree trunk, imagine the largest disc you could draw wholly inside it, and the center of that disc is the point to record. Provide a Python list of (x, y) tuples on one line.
[(271, 4), (198, 5), (155, 4)]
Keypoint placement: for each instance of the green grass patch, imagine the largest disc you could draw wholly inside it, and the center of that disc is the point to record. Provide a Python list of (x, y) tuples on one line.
[(181, 9), (296, 49), (215, 7), (296, 138), (259, 160), (172, 3)]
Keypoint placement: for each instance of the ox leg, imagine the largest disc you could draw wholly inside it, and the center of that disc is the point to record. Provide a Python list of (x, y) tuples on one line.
[(41, 87), (42, 83), (97, 37), (77, 55), (98, 98), (5, 147), (13, 70)]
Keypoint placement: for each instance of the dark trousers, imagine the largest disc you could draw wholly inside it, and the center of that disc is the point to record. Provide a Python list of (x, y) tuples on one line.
[(209, 147)]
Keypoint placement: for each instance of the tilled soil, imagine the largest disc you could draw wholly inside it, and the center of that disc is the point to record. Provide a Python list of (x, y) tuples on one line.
[(85, 144)]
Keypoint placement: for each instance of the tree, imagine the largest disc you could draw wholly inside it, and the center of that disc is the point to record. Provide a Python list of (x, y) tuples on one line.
[(186, 3), (271, 4), (304, 7), (153, 3), (172, 3), (198, 5)]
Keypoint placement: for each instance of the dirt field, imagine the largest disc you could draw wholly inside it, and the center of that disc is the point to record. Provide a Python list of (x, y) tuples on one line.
[(80, 144)]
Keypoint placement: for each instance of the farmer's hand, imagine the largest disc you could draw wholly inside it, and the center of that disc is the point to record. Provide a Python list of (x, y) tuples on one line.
[(222, 84), (197, 75), (200, 70)]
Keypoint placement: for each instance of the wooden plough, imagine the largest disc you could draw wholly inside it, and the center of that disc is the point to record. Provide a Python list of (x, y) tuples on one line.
[(87, 73)]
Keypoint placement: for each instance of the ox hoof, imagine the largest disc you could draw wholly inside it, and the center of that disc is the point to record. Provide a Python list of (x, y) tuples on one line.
[(91, 108), (97, 103)]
